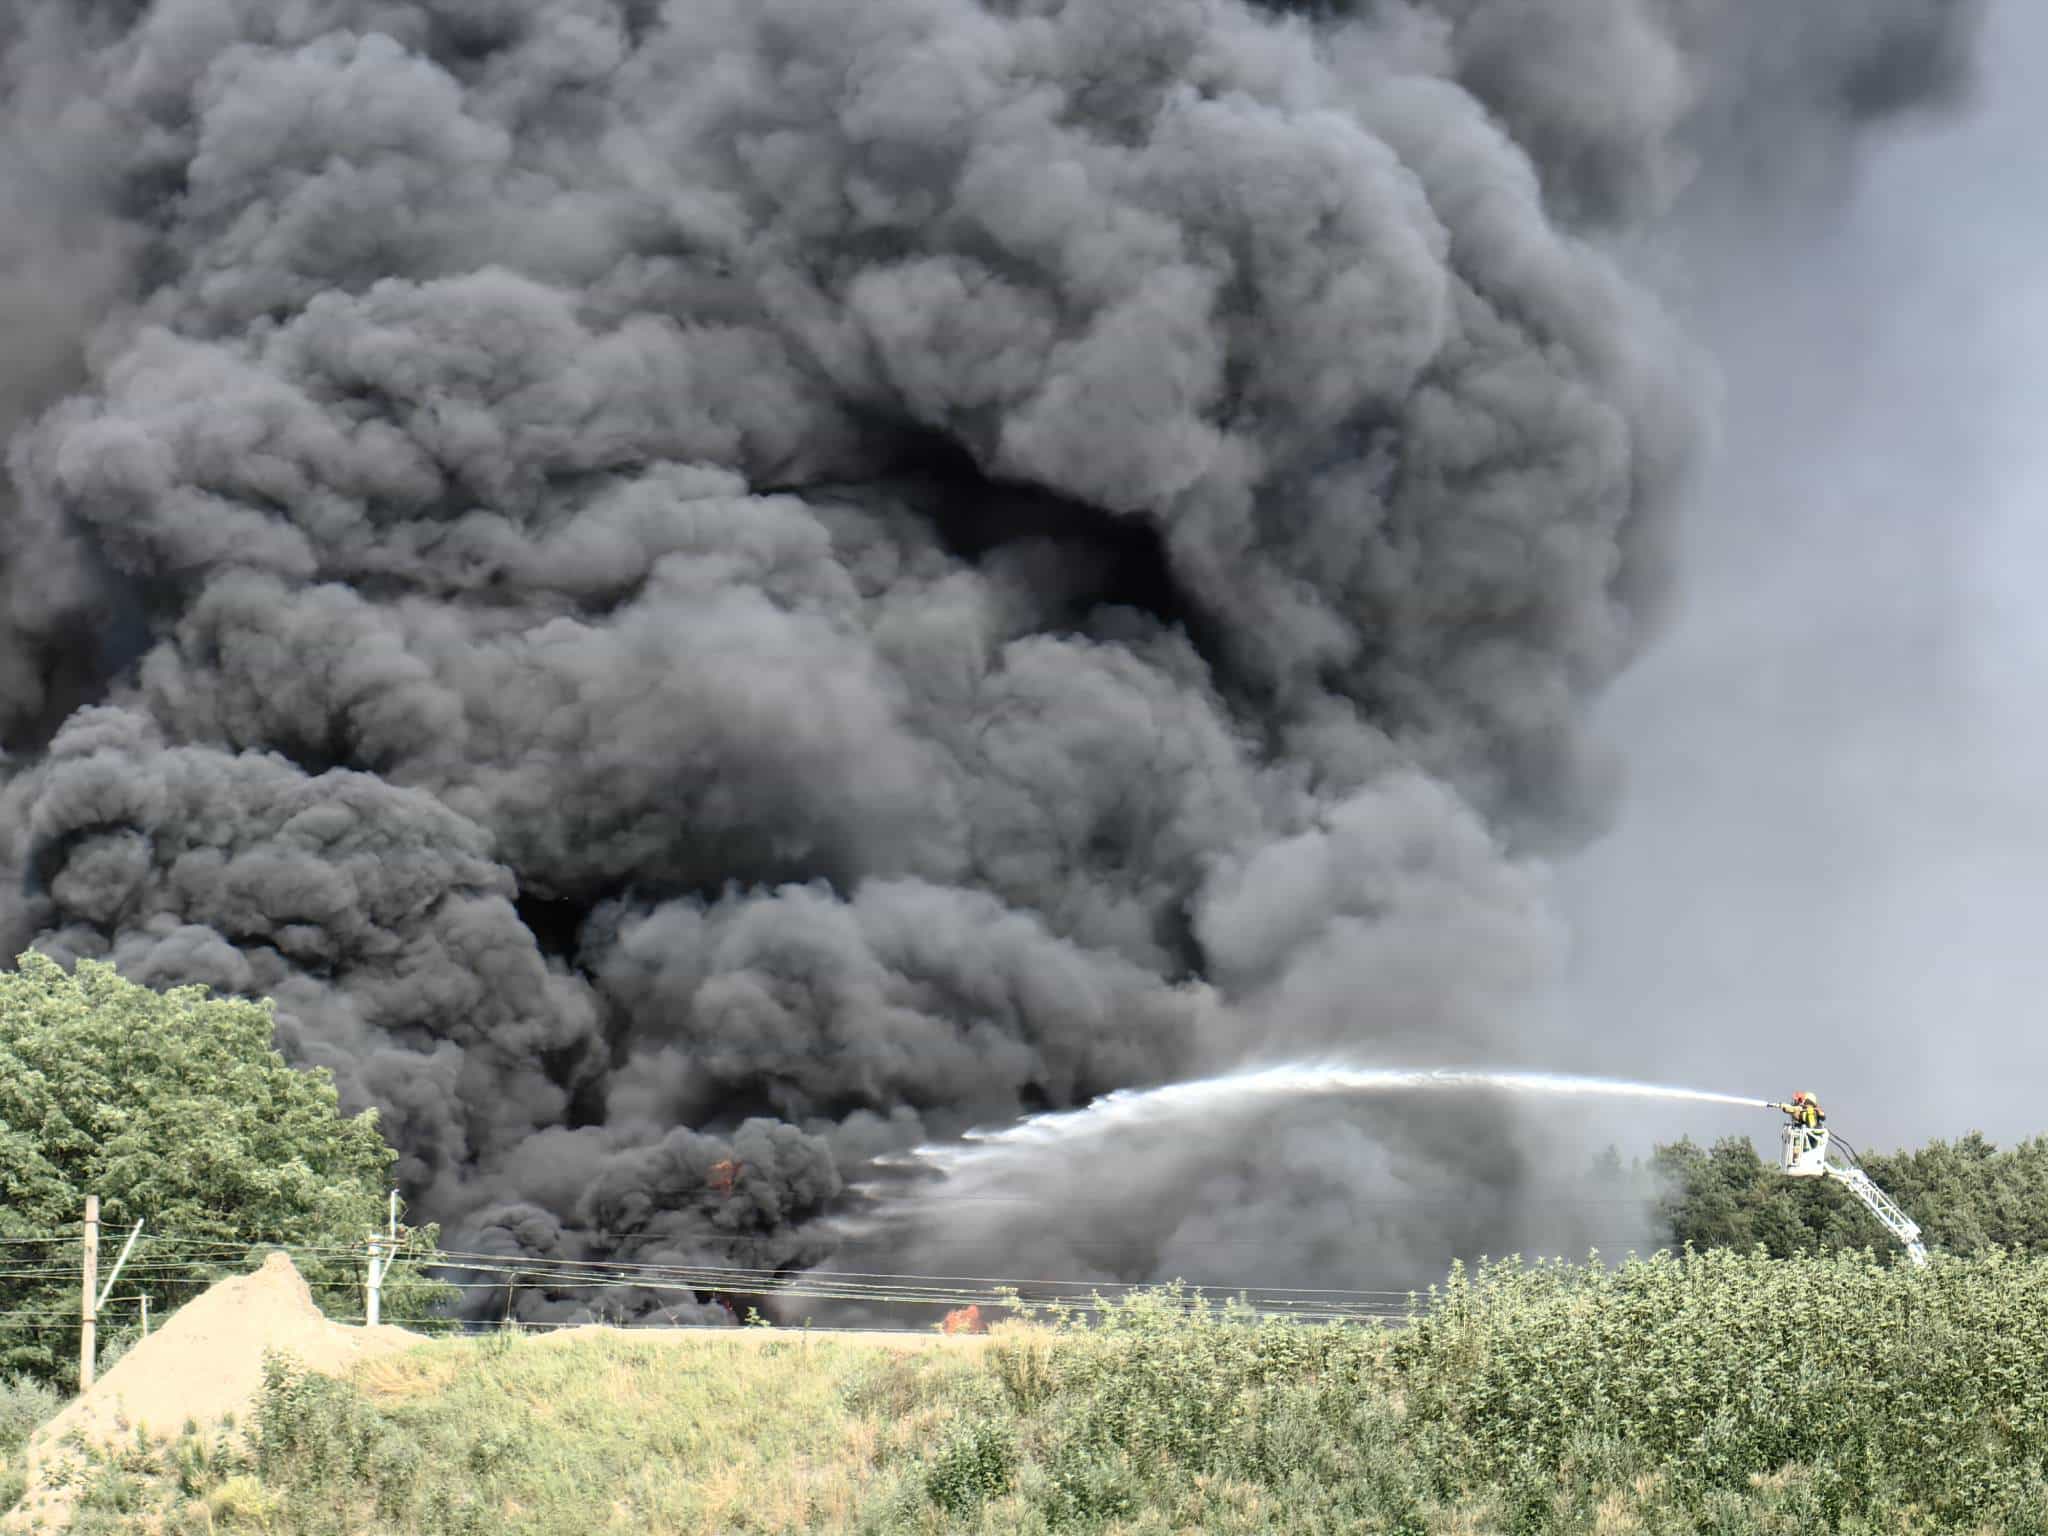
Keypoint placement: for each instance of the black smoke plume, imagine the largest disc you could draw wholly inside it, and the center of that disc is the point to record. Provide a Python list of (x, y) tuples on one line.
[(706, 591)]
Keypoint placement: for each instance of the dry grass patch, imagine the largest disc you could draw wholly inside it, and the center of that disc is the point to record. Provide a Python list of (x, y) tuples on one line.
[(697, 1436)]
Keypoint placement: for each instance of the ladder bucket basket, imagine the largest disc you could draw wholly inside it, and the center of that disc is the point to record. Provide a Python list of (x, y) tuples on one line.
[(1804, 1152)]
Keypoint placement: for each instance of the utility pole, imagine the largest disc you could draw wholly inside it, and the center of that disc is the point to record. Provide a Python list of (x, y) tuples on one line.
[(383, 1249), (90, 1304), (373, 1279), (87, 1293), (145, 1314)]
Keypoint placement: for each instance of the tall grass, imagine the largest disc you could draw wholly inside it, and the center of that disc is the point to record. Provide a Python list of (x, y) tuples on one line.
[(1894, 1388), (24, 1404), (1709, 1393)]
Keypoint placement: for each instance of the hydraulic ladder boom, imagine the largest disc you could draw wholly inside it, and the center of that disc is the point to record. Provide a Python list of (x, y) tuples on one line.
[(1806, 1157), (1884, 1208)]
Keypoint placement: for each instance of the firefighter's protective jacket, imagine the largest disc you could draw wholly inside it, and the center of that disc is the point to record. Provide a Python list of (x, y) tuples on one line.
[(1808, 1114)]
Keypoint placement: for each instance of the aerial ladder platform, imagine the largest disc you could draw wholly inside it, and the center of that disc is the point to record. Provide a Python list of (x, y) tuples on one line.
[(1810, 1153)]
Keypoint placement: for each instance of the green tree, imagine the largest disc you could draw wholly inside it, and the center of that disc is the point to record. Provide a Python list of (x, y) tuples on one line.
[(1967, 1195), (1728, 1197), (174, 1108)]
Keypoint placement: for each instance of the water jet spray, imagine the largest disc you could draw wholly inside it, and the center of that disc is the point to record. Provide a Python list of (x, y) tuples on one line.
[(1132, 1108), (1806, 1151)]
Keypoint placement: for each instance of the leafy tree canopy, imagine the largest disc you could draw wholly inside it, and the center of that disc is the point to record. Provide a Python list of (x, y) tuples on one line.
[(1967, 1195), (174, 1108)]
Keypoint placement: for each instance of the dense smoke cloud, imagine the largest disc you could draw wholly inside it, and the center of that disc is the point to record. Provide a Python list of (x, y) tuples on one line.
[(705, 592)]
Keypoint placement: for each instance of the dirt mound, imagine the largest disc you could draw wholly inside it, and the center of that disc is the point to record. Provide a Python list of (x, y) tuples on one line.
[(204, 1364)]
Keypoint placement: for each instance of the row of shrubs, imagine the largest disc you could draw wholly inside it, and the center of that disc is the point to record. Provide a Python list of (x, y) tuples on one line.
[(1708, 1392), (1876, 1392)]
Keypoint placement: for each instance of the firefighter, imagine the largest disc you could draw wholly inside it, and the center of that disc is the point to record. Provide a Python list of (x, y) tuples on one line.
[(1806, 1113)]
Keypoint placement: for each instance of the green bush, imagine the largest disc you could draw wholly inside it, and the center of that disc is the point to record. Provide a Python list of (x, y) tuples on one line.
[(973, 1465), (1707, 1392), (172, 1107), (25, 1403), (1889, 1384), (1719, 1389)]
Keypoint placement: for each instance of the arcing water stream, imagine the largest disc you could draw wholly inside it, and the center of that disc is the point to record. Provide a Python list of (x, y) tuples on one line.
[(1133, 1108), (1042, 1184)]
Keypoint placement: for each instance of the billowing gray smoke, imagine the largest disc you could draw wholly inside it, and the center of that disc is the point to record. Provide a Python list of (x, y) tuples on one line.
[(705, 591)]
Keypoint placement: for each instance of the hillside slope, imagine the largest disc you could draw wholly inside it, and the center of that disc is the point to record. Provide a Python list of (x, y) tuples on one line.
[(1716, 1392)]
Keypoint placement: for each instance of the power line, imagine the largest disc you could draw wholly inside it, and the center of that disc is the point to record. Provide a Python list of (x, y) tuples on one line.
[(520, 1275), (185, 1253), (461, 1259), (171, 1261)]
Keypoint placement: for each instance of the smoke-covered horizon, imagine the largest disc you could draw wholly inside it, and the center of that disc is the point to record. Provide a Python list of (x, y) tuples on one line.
[(707, 592), (1829, 857)]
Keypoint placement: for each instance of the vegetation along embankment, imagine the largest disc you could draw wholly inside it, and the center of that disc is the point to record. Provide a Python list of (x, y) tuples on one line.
[(1713, 1392)]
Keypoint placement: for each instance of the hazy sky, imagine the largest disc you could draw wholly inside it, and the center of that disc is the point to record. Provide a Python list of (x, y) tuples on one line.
[(1831, 870)]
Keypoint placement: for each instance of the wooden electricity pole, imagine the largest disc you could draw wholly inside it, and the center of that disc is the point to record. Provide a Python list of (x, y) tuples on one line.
[(89, 1302), (86, 1297)]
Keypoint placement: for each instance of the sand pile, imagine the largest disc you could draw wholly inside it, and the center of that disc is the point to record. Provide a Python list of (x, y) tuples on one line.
[(204, 1364)]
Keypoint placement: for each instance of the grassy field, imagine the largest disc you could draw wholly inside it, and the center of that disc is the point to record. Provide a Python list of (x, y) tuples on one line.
[(1718, 1393)]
